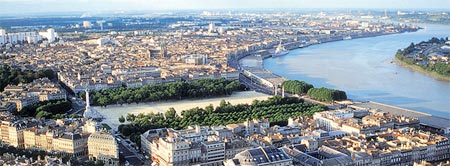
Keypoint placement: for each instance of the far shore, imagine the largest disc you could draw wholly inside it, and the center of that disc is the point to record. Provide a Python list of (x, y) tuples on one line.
[(420, 70), (112, 113)]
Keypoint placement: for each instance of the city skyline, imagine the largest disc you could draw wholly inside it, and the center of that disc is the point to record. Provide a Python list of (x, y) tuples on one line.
[(11, 7), (224, 82)]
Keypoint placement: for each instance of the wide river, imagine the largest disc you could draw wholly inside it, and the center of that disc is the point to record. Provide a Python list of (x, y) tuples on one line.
[(362, 68)]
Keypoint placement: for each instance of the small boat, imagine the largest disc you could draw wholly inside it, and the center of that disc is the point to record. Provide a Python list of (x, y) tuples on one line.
[(347, 38), (280, 51)]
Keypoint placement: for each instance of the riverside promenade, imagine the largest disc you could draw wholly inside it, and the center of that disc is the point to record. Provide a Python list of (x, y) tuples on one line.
[(425, 119), (252, 67)]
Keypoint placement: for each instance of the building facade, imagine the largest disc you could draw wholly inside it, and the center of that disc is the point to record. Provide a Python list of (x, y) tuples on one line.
[(103, 146)]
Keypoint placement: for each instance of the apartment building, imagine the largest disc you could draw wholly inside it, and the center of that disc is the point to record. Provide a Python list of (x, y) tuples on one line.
[(28, 94), (72, 136), (193, 146), (261, 157), (71, 143), (12, 128), (362, 122), (103, 146)]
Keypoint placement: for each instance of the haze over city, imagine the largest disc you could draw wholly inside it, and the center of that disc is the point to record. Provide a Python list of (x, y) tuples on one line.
[(9, 7), (225, 82)]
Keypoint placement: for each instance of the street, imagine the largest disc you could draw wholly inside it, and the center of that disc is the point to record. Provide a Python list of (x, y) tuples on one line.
[(129, 155), (77, 104), (254, 86), (128, 151)]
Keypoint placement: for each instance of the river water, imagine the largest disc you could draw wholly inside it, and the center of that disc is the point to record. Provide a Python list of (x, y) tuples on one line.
[(362, 68)]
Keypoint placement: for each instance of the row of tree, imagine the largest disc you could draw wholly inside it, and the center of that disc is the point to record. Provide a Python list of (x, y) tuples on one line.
[(296, 87), (321, 94), (327, 95), (15, 76), (29, 153), (168, 91), (275, 109), (439, 67), (35, 154), (46, 109)]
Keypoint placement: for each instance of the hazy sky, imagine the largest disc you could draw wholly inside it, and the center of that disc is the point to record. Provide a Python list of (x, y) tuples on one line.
[(31, 6)]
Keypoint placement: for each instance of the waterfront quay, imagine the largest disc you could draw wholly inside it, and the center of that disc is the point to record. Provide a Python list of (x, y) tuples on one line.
[(249, 61), (252, 68), (425, 119), (250, 65)]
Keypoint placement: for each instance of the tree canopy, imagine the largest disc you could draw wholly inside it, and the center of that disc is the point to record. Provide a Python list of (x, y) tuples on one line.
[(327, 95), (46, 109), (15, 76), (296, 87), (275, 109), (168, 91), (29, 153)]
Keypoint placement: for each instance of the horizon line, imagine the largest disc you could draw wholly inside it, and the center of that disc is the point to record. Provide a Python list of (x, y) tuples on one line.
[(9, 14)]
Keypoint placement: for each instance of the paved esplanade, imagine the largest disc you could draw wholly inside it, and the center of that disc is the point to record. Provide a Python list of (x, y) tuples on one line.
[(428, 119), (253, 64)]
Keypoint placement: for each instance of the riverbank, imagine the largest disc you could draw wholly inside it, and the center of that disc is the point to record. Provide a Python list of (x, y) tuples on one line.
[(251, 65), (421, 70), (424, 118), (361, 61), (361, 67)]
